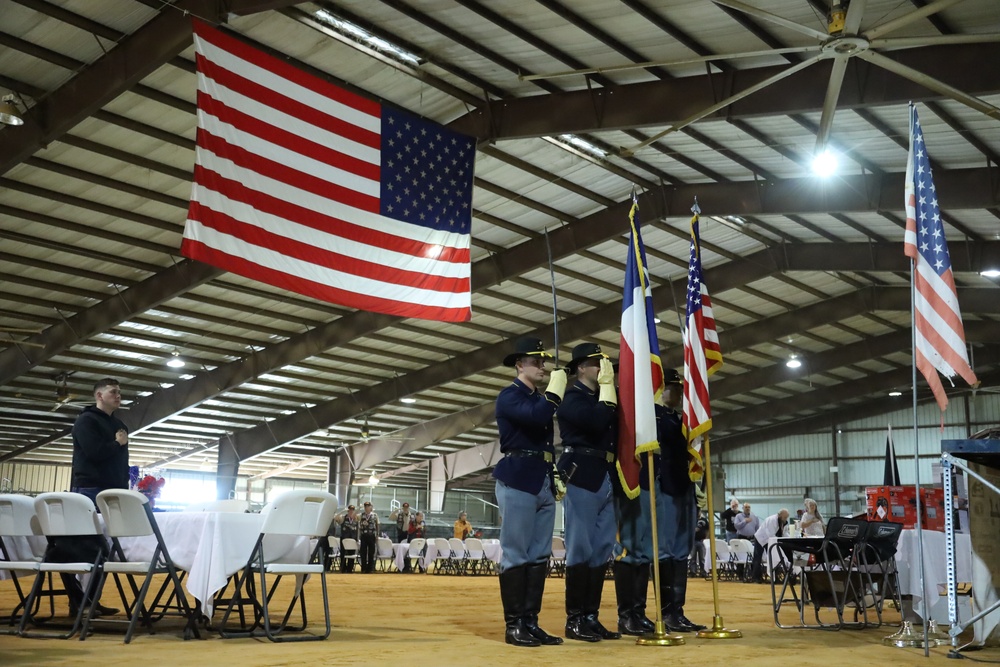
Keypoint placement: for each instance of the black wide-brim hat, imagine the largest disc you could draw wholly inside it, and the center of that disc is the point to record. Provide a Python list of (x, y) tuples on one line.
[(526, 347), (582, 352), (671, 376)]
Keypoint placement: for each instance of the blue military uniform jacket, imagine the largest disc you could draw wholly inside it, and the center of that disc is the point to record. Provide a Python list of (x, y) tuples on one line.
[(674, 457), (584, 421), (524, 418)]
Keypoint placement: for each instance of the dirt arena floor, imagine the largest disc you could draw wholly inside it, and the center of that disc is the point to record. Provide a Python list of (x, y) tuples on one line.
[(409, 620)]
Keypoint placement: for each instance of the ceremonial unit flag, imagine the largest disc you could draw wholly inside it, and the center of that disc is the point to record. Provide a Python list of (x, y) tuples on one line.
[(306, 186), (702, 356), (891, 474), (939, 345), (640, 375)]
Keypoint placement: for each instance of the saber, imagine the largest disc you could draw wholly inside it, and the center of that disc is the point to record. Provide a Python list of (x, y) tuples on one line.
[(555, 309)]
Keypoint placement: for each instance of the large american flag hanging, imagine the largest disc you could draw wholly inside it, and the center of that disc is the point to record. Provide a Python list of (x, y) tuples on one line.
[(640, 374), (939, 339), (702, 356), (306, 186)]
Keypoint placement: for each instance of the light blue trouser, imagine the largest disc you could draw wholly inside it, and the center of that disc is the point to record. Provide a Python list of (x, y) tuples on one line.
[(676, 517), (635, 533), (527, 521), (590, 525)]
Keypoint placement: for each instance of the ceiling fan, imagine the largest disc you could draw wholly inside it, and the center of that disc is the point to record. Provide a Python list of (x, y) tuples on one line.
[(365, 435), (843, 39), (63, 396)]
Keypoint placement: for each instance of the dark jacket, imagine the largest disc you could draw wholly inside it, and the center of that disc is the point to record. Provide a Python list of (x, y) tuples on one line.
[(674, 457), (585, 421), (524, 419), (98, 460)]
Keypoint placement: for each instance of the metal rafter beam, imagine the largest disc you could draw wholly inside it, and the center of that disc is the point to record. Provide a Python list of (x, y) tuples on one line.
[(40, 348), (829, 418), (662, 103), (130, 61), (820, 399), (289, 428)]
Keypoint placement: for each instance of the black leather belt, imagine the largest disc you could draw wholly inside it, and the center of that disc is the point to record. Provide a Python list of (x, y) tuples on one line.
[(525, 453), (590, 451)]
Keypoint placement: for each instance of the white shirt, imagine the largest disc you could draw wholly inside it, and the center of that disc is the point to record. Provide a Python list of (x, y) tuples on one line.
[(814, 529), (769, 528)]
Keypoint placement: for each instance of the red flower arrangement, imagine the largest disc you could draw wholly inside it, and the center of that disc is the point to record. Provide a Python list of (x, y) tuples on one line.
[(150, 486)]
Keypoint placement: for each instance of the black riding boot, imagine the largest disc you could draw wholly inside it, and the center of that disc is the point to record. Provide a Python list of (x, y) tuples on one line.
[(513, 582), (628, 624), (680, 595), (592, 603), (668, 604), (534, 588), (577, 593), (641, 589)]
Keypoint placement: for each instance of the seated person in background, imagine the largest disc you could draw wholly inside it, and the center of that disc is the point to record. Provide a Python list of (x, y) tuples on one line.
[(463, 528), (697, 565)]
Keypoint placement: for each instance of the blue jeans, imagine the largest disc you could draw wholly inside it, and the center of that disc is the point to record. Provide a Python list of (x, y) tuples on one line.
[(590, 525), (527, 522)]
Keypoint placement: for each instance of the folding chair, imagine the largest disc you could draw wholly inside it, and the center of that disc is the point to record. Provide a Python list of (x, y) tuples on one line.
[(294, 514), (443, 563), (475, 556), (414, 553), (741, 558), (459, 557), (65, 515), (21, 548), (878, 567), (385, 554), (557, 561), (831, 578), (348, 560), (128, 514)]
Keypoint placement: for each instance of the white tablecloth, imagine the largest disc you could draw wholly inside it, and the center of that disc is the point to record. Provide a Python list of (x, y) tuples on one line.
[(492, 550), (211, 546), (935, 571)]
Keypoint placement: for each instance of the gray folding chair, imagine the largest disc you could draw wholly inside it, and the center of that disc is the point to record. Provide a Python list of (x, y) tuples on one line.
[(127, 514)]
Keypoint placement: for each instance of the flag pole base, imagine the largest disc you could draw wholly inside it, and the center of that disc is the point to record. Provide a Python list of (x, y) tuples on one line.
[(660, 637), (936, 634), (906, 637), (719, 631)]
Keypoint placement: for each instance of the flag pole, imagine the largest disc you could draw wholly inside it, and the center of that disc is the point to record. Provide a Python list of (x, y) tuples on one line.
[(660, 636)]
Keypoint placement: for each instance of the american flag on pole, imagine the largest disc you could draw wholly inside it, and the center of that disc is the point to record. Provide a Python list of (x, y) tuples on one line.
[(702, 355), (939, 336), (306, 186), (640, 375)]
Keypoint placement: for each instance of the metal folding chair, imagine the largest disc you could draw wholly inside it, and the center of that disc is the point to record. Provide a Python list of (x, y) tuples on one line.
[(21, 550), (830, 579), (127, 514), (303, 513), (878, 568)]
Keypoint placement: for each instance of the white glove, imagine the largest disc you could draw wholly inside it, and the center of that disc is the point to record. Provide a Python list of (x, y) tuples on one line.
[(606, 394), (557, 384)]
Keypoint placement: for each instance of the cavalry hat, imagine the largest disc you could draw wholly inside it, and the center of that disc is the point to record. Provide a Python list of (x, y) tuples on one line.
[(526, 347), (671, 376), (582, 352)]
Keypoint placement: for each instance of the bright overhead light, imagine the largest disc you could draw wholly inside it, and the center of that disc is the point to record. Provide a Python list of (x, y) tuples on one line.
[(408, 399), (793, 362), (175, 359), (355, 32), (373, 480), (825, 164), (990, 273), (583, 145), (656, 320), (895, 393)]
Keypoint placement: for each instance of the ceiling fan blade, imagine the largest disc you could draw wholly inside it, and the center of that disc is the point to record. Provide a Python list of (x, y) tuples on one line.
[(855, 12), (773, 18), (830, 102), (669, 63), (931, 83), (893, 43), (907, 19), (725, 103)]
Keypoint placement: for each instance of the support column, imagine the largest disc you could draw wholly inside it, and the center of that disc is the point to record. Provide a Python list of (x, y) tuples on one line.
[(227, 469), (437, 481), (835, 468)]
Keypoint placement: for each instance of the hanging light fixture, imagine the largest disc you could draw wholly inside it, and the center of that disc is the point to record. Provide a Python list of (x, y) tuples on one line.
[(175, 359), (9, 113), (793, 362)]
